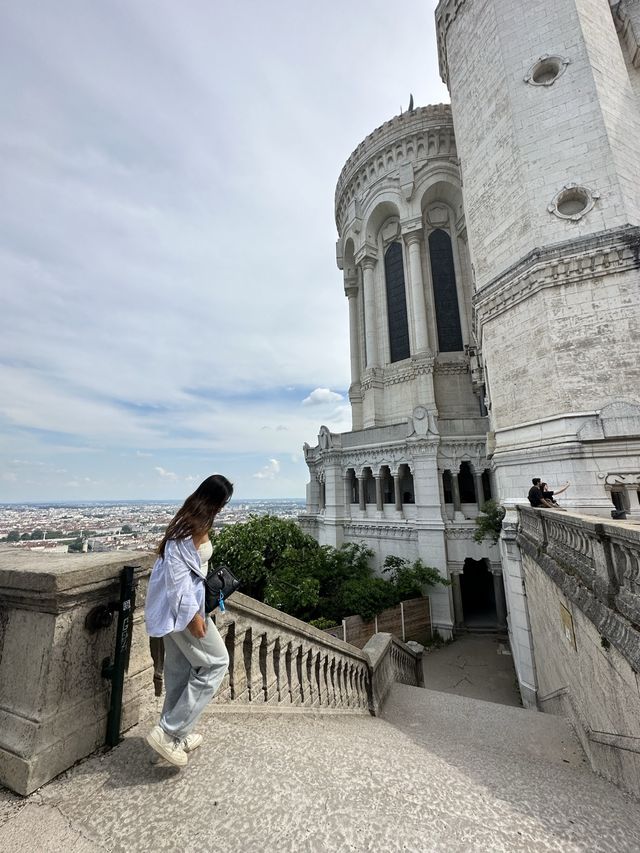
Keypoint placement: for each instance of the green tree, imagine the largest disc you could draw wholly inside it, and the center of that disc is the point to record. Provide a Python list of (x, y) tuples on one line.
[(489, 522), (37, 533), (410, 579), (13, 536), (126, 528)]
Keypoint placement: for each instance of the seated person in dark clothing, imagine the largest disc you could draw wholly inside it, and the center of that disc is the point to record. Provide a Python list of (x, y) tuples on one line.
[(535, 493)]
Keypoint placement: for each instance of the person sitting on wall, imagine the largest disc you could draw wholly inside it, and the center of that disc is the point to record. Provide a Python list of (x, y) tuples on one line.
[(548, 495), (535, 493)]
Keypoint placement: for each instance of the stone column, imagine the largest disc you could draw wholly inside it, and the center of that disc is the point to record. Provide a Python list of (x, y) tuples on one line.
[(501, 605), (413, 240), (361, 492), (355, 391), (455, 491), (378, 480), (397, 490), (456, 589), (370, 314), (477, 477), (322, 497), (346, 479)]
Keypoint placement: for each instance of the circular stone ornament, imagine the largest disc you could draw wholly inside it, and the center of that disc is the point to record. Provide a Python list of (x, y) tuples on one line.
[(546, 70), (573, 202)]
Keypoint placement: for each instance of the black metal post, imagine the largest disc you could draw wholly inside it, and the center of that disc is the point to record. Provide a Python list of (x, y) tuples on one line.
[(115, 671)]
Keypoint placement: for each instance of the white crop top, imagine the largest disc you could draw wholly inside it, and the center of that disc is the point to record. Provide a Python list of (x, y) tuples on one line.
[(205, 551)]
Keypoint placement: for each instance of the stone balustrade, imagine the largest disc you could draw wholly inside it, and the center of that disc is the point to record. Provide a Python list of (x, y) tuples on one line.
[(278, 661), (596, 564), (582, 582), (391, 660)]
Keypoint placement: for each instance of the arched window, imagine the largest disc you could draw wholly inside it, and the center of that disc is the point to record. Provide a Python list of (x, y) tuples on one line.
[(396, 303), (444, 292)]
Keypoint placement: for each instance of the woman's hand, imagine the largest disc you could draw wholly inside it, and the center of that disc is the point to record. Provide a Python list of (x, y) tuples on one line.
[(197, 626)]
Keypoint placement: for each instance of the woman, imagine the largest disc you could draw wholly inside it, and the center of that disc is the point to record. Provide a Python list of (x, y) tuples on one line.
[(195, 659)]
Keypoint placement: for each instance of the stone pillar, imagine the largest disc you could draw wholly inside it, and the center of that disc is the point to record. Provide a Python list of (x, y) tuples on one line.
[(397, 490), (355, 392), (477, 477), (455, 491), (413, 240), (631, 502), (346, 479), (370, 314), (456, 589), (501, 605), (361, 492), (322, 497), (378, 480)]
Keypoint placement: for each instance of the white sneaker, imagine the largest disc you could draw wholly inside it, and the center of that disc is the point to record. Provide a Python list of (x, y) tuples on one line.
[(191, 742), (166, 746)]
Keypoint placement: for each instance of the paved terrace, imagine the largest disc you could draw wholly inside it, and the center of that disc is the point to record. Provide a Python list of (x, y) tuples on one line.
[(437, 772)]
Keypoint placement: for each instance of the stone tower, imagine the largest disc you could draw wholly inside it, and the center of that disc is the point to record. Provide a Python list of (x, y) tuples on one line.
[(546, 107), (410, 476)]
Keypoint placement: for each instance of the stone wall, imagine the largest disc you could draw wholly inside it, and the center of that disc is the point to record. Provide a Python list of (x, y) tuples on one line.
[(582, 581), (54, 701)]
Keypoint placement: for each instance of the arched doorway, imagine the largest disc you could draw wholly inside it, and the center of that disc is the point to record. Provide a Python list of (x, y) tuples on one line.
[(478, 595)]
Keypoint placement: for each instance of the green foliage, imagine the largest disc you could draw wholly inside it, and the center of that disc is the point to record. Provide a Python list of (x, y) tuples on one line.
[(75, 546), (409, 579), (13, 536), (323, 623), (126, 528), (489, 522), (284, 567)]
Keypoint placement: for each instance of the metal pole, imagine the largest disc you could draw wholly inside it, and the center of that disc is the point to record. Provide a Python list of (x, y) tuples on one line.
[(115, 671)]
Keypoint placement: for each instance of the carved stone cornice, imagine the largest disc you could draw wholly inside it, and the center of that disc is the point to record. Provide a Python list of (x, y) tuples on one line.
[(383, 377), (582, 259), (380, 530), (459, 532), (406, 140), (450, 368)]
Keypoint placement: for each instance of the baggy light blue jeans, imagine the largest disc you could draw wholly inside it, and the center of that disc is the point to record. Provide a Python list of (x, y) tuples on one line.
[(193, 671)]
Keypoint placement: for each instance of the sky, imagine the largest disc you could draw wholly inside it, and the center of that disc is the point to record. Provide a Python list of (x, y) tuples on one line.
[(171, 304)]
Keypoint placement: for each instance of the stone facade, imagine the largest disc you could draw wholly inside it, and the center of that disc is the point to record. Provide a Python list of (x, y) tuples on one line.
[(546, 108), (533, 175), (583, 591), (410, 477)]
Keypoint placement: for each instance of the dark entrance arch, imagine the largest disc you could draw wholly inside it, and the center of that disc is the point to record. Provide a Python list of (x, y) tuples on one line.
[(478, 595)]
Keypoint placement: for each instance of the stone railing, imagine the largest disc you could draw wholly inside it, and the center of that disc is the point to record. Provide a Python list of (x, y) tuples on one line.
[(278, 661), (596, 564), (391, 660)]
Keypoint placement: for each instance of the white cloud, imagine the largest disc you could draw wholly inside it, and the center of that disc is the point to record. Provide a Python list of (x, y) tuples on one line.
[(269, 472), (321, 396), (120, 223), (166, 475)]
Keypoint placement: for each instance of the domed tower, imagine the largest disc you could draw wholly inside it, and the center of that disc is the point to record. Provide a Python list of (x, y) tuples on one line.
[(546, 107), (409, 478)]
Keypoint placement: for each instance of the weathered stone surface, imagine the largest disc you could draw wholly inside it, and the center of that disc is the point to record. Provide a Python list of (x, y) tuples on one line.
[(54, 699), (587, 651)]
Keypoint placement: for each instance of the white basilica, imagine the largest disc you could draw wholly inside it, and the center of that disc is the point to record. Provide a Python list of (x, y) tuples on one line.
[(410, 476)]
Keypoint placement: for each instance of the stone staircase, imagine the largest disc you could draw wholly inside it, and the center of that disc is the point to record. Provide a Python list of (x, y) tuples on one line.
[(434, 772)]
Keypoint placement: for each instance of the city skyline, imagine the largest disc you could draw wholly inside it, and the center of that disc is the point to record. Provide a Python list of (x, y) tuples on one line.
[(172, 303)]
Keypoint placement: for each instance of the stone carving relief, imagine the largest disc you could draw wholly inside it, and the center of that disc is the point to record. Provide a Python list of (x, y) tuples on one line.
[(629, 480), (617, 420), (421, 423), (573, 202)]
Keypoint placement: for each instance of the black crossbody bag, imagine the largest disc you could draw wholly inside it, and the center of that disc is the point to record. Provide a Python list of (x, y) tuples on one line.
[(219, 584)]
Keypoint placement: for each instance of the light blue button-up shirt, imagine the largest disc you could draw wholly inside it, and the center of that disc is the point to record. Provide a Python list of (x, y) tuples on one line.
[(176, 589)]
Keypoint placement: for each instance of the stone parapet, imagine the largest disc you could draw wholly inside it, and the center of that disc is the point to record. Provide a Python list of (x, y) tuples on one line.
[(582, 581), (391, 660), (596, 565), (54, 701)]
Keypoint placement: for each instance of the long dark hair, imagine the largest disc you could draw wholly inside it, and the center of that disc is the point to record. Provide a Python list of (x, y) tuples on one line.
[(195, 516)]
